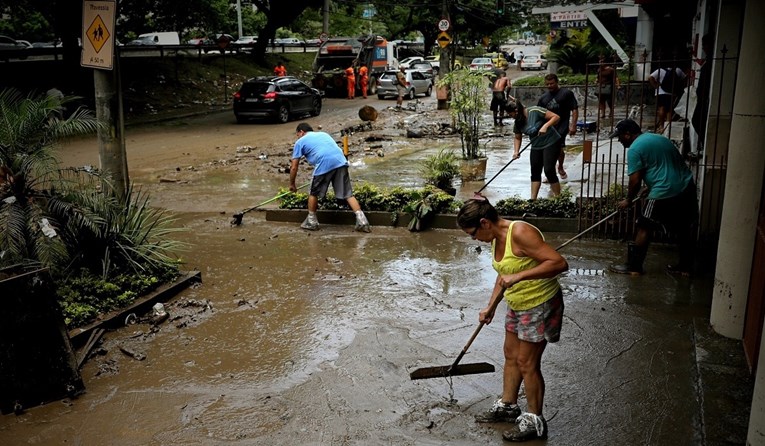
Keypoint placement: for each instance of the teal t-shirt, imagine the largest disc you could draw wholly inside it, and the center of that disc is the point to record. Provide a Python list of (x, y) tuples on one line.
[(535, 121), (321, 151), (666, 173)]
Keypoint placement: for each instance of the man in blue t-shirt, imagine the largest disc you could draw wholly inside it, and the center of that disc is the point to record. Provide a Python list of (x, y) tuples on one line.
[(671, 202), (330, 167)]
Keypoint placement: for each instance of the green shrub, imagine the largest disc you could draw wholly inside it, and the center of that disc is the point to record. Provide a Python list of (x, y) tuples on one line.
[(85, 295), (562, 206)]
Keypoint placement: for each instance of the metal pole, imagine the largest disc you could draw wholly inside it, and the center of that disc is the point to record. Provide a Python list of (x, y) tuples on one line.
[(239, 16)]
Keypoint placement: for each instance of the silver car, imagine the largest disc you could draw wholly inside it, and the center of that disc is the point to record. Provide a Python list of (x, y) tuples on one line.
[(416, 83)]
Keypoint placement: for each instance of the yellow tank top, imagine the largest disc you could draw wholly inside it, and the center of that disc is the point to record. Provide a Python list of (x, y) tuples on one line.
[(525, 294)]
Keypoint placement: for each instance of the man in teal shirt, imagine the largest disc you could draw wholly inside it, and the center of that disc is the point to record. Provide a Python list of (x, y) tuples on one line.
[(671, 203)]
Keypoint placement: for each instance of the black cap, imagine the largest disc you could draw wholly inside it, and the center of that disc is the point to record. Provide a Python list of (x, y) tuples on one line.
[(625, 125)]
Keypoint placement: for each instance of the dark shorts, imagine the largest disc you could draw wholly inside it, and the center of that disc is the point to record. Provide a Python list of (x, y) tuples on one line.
[(338, 178), (497, 101), (677, 213), (664, 100), (541, 323)]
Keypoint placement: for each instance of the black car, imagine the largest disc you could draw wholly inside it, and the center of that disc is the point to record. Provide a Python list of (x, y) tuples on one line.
[(275, 97)]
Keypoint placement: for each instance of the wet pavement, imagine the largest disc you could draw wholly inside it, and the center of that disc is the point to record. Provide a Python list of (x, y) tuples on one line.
[(309, 338)]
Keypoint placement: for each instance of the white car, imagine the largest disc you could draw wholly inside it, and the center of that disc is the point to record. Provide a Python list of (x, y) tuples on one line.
[(405, 62), (534, 62), (482, 63), (435, 61), (416, 83), (245, 43)]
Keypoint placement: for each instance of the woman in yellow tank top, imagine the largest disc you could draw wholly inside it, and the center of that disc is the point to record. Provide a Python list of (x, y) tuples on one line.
[(527, 268)]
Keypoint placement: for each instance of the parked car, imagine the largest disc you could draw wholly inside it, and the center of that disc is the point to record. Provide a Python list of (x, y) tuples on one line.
[(313, 42), (416, 83), (405, 62), (435, 61), (498, 60), (533, 62), (275, 97), (8, 44), (424, 67), (482, 63), (288, 41), (245, 43)]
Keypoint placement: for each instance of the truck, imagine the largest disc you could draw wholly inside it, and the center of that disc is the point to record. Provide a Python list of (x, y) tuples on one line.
[(338, 53)]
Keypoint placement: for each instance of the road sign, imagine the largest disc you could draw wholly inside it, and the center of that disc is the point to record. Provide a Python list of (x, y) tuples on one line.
[(443, 25), (444, 39), (98, 33)]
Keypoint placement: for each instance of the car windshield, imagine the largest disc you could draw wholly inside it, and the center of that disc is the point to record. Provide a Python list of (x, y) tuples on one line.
[(481, 60)]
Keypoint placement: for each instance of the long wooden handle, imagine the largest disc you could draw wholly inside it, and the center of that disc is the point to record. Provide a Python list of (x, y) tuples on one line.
[(495, 303)]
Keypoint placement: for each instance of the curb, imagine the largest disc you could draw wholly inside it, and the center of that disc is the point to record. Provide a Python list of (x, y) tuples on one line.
[(439, 221)]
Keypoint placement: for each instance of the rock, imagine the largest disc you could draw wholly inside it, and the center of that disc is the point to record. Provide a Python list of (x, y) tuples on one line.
[(368, 113)]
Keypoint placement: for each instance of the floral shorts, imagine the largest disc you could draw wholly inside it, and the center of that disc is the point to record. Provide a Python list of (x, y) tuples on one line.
[(537, 324)]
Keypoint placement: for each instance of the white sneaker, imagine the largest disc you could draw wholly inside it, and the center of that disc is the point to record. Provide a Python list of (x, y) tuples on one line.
[(311, 223), (362, 224)]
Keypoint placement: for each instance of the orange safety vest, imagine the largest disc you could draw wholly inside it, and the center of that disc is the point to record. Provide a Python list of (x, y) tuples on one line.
[(349, 73), (280, 70), (363, 72)]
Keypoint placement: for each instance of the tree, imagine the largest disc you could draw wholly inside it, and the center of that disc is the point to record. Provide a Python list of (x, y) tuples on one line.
[(63, 218), (279, 13), (466, 105), (30, 178)]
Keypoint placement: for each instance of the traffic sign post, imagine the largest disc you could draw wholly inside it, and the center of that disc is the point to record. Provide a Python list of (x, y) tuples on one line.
[(444, 39), (98, 19)]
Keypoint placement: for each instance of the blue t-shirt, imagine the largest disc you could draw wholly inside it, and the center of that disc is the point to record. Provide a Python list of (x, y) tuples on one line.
[(666, 173), (321, 151)]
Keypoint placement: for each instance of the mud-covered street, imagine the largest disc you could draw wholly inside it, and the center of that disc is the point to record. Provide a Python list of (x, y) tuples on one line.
[(308, 338)]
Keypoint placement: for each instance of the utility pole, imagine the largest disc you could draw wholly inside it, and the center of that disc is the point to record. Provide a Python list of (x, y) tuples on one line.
[(239, 17), (444, 61), (325, 11)]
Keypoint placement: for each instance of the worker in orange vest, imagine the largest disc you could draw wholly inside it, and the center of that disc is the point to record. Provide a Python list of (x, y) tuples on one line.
[(350, 77), (280, 69), (363, 73)]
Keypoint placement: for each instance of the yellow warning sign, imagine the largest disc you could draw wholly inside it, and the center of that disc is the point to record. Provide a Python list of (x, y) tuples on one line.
[(98, 33), (444, 39), (98, 20)]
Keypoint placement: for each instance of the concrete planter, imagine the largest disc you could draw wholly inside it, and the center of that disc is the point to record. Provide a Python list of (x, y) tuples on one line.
[(473, 169)]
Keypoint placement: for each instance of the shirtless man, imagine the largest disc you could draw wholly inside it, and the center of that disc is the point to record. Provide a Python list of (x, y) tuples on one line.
[(498, 97)]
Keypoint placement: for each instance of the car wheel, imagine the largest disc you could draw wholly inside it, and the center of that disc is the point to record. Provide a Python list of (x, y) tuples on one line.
[(372, 87), (411, 94), (380, 96), (316, 109), (283, 114), (240, 119), (429, 91)]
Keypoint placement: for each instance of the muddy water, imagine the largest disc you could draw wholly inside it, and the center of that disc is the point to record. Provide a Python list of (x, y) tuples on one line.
[(310, 338)]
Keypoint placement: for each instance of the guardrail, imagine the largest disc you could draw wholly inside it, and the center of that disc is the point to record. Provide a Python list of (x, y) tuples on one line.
[(47, 53)]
